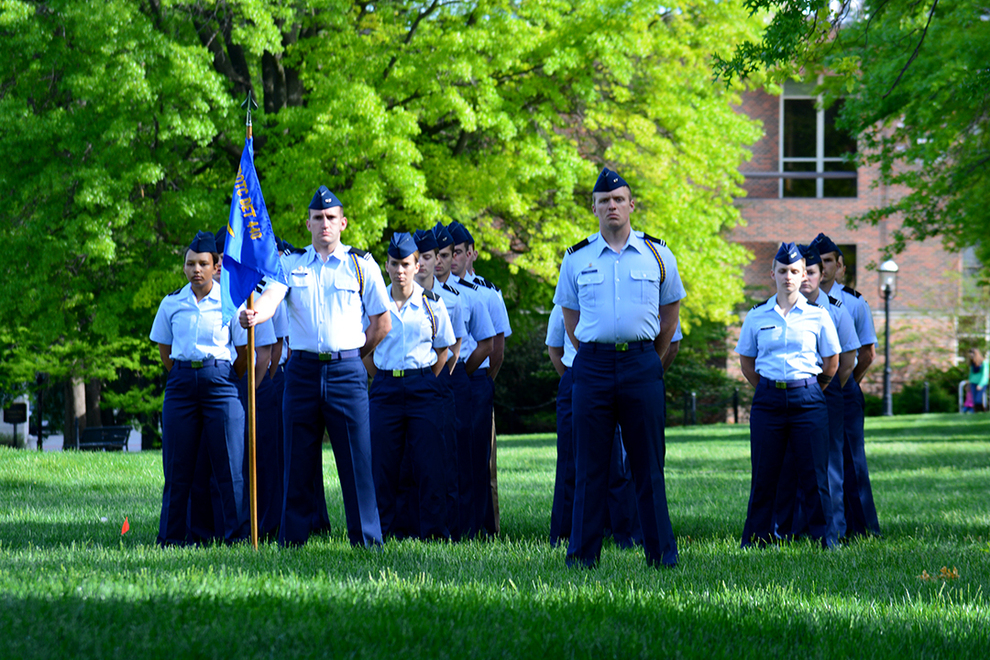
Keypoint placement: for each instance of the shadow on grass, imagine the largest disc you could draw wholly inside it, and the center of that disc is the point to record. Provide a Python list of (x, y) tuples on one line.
[(439, 621)]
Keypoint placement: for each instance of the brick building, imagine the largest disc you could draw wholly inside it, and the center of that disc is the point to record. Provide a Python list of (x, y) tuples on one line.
[(797, 185)]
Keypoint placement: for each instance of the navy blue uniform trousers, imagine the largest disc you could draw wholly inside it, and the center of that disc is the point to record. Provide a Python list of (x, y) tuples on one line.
[(623, 516), (461, 385), (790, 521), (861, 512), (268, 448), (201, 406), (482, 400), (619, 387), (780, 419), (405, 425), (450, 384), (329, 396)]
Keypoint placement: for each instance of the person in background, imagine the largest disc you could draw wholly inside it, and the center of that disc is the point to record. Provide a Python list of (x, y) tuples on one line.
[(978, 372)]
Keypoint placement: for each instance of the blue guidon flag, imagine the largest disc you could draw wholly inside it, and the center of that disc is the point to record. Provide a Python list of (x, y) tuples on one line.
[(249, 254)]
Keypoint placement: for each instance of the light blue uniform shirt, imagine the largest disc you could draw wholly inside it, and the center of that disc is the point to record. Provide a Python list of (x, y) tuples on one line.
[(496, 309), (419, 327), (788, 347), (844, 326), (324, 299), (618, 293), (859, 309), (195, 330), (477, 321), (451, 298)]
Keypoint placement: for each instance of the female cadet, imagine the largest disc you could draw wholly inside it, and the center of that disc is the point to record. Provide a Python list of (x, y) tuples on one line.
[(406, 400), (780, 345), (201, 403)]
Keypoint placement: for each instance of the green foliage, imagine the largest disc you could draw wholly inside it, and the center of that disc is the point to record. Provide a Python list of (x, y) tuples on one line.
[(72, 586), (917, 93), (700, 368)]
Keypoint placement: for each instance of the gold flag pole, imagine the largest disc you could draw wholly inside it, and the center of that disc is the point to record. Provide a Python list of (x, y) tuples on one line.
[(251, 407)]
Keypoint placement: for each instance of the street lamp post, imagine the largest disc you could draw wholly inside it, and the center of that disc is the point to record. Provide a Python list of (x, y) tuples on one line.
[(888, 288)]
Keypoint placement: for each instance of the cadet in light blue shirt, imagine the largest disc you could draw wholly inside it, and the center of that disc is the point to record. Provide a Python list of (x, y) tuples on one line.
[(788, 350), (331, 288), (406, 401), (620, 293), (201, 403), (861, 511)]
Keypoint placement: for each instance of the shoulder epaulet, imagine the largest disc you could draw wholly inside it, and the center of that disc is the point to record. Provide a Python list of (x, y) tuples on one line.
[(176, 291), (835, 301), (761, 304), (814, 304), (296, 250), (653, 239), (577, 246), (486, 283), (464, 282), (851, 291), (259, 287), (447, 287), (361, 253), (429, 294)]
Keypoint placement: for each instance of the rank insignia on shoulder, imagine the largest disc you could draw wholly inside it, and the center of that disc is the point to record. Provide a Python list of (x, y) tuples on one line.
[(176, 291), (469, 285), (577, 246), (447, 287), (814, 304), (294, 250), (851, 291), (653, 239), (835, 301), (761, 304), (429, 294), (361, 253)]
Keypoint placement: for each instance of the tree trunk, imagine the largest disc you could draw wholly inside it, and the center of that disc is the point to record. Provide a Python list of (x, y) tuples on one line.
[(75, 412), (93, 389)]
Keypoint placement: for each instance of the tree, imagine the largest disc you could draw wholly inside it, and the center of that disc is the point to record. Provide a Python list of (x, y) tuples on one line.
[(917, 92), (122, 137)]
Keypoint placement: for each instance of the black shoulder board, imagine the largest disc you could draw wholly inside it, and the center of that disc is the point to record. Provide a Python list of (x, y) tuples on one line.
[(814, 304), (464, 282), (361, 253), (447, 287), (852, 291), (835, 301), (487, 284), (653, 239), (429, 294), (294, 250), (761, 304), (577, 246), (176, 291), (259, 288)]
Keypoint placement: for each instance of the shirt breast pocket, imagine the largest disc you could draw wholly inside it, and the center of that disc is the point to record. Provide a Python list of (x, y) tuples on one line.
[(647, 286), (590, 289), (771, 340), (299, 279)]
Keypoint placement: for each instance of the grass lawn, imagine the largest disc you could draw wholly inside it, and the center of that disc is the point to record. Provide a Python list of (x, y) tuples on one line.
[(72, 586)]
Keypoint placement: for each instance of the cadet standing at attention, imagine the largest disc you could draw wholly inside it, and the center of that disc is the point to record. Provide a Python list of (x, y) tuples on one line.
[(331, 288), (201, 403), (407, 400), (620, 293), (861, 512), (788, 350)]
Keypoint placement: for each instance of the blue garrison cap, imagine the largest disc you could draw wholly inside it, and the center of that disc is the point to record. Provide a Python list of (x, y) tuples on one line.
[(810, 254), (324, 199), (425, 240), (221, 238), (204, 242), (609, 181), (401, 245), (443, 236), (459, 233), (788, 254), (825, 245)]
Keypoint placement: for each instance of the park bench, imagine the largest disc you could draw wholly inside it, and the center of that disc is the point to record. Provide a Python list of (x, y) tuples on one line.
[(106, 438)]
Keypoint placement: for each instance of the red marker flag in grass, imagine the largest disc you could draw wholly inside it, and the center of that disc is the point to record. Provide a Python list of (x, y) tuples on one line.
[(125, 527)]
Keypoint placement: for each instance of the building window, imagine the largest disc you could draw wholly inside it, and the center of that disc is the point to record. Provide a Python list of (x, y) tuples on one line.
[(812, 143)]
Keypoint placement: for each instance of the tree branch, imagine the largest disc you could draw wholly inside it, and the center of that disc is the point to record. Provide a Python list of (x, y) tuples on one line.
[(931, 15)]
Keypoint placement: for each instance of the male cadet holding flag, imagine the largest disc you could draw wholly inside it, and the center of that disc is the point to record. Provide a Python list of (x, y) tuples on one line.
[(620, 293), (331, 288), (861, 512)]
